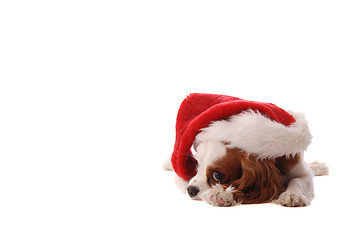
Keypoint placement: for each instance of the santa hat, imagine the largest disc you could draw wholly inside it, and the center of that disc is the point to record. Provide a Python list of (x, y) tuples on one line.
[(258, 128)]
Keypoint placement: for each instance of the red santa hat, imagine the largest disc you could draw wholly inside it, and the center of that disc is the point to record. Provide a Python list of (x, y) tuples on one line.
[(258, 128)]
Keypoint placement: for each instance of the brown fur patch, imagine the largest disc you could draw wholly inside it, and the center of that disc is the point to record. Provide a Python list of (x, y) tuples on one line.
[(285, 164), (255, 181), (229, 165)]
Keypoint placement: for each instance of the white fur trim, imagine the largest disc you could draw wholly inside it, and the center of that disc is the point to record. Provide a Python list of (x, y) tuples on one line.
[(257, 134)]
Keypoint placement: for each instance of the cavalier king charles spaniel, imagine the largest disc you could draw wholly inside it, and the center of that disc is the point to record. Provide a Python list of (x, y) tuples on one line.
[(229, 176), (242, 152)]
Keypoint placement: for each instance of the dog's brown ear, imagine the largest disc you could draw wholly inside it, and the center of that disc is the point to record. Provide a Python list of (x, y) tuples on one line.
[(260, 181)]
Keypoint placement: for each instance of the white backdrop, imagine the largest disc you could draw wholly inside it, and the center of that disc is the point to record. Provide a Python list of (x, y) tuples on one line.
[(89, 92)]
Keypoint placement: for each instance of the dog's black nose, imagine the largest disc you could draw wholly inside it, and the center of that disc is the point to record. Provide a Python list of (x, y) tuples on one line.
[(192, 191)]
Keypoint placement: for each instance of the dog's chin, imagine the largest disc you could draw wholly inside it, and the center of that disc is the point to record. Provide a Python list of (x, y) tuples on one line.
[(197, 198)]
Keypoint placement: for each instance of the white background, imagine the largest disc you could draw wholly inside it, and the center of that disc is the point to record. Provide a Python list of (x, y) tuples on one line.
[(89, 92)]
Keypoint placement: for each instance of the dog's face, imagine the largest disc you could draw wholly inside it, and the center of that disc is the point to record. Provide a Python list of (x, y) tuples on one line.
[(213, 166), (253, 180)]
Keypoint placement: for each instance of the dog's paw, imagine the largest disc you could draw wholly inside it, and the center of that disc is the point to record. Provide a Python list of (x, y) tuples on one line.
[(293, 199), (217, 196)]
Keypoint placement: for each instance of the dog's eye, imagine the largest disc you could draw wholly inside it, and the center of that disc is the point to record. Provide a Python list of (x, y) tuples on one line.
[(196, 164), (217, 176)]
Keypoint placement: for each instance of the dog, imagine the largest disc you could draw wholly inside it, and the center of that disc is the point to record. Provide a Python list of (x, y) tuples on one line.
[(232, 151), (229, 176)]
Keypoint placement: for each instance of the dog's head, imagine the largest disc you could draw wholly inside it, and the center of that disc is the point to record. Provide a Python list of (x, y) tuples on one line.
[(253, 180)]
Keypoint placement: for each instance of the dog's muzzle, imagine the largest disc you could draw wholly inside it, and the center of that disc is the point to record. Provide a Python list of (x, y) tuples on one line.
[(192, 191)]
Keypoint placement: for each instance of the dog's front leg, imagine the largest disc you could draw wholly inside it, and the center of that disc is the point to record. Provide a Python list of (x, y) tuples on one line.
[(300, 190)]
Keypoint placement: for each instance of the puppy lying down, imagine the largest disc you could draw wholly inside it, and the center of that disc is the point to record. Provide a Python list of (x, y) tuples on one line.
[(231, 151)]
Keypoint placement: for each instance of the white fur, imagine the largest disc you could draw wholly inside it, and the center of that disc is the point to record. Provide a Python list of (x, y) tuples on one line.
[(217, 196), (206, 154), (319, 168), (300, 190), (257, 134), (167, 165), (180, 183)]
